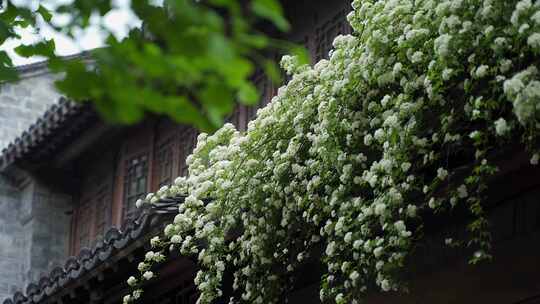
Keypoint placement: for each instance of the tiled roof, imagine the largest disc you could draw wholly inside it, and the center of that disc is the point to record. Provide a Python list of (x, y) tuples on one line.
[(84, 262), (54, 118), (63, 116)]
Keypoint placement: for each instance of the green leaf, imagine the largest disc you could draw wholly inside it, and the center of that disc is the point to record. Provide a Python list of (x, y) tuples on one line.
[(190, 61), (5, 32), (24, 16), (217, 99), (235, 71), (77, 82), (219, 47), (301, 53), (45, 13), (7, 71), (5, 60), (272, 70), (255, 41), (248, 94), (182, 110), (271, 10), (44, 48), (8, 74)]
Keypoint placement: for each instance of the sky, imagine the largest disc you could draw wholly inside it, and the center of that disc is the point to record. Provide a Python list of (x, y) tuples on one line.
[(119, 21)]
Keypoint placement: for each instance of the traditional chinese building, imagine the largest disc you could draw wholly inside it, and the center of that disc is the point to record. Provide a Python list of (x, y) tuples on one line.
[(69, 184)]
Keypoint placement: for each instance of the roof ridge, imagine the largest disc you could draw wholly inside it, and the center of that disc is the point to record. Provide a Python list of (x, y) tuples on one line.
[(42, 65)]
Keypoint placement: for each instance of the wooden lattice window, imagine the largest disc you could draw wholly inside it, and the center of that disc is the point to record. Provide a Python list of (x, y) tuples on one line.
[(84, 223), (103, 211), (236, 117), (135, 182), (325, 34), (164, 163)]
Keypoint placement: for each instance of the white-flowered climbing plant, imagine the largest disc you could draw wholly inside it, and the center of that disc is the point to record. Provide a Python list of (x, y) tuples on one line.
[(354, 150)]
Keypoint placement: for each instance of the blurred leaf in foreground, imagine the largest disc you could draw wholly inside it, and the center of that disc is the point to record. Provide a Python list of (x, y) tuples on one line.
[(191, 60)]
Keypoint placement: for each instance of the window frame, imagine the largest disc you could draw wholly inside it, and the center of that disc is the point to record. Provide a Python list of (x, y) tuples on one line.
[(133, 165)]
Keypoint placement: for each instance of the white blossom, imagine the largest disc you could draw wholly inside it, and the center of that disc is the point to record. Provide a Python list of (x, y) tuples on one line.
[(481, 71), (405, 166), (127, 299), (400, 226), (411, 210), (442, 44), (501, 127), (462, 191), (417, 57), (433, 203), (176, 239), (380, 208), (154, 241), (148, 275), (534, 159), (132, 281), (377, 252), (149, 256), (442, 173), (534, 41), (142, 266)]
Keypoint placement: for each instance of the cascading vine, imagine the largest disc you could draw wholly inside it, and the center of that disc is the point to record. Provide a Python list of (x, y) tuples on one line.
[(351, 149)]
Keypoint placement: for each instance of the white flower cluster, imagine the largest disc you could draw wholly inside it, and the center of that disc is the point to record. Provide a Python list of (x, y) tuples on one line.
[(351, 149)]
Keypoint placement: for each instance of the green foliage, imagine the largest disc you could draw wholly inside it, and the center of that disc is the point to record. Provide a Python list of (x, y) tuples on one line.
[(11, 17), (45, 13), (271, 9), (192, 61), (42, 48)]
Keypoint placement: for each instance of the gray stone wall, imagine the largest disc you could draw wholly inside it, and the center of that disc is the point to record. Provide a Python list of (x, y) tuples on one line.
[(22, 102), (30, 233), (47, 228), (34, 233), (12, 240)]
